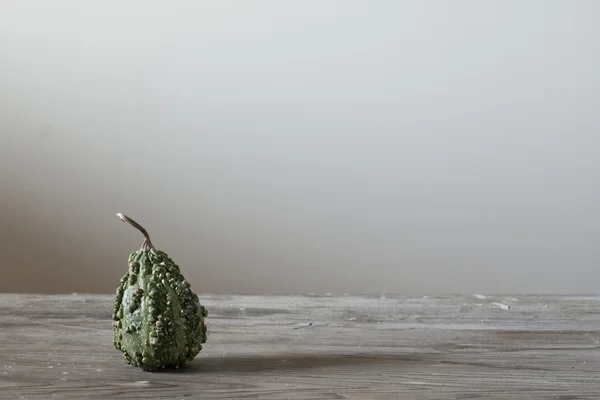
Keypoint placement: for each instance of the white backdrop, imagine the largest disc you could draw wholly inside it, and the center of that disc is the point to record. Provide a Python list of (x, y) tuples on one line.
[(307, 146)]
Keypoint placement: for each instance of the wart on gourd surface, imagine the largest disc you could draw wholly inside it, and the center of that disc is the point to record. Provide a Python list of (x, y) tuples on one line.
[(158, 321)]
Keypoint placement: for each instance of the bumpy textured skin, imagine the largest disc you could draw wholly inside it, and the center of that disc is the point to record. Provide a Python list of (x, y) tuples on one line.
[(158, 322)]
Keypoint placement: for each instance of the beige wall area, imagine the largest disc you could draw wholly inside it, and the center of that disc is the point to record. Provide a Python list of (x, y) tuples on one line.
[(295, 147)]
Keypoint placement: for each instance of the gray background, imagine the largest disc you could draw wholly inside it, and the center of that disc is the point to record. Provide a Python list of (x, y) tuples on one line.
[(307, 146)]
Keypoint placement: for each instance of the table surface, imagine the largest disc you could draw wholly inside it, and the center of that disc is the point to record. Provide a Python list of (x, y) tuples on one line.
[(316, 347)]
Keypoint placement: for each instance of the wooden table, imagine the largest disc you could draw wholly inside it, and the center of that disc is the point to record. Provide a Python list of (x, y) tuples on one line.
[(316, 347)]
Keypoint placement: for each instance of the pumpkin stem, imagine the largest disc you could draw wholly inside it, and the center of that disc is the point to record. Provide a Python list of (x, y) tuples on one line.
[(147, 245)]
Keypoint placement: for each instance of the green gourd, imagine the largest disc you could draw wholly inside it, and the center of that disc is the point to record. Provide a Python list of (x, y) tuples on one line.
[(158, 321)]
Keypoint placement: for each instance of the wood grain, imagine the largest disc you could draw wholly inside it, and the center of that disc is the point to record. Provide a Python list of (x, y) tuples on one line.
[(316, 347)]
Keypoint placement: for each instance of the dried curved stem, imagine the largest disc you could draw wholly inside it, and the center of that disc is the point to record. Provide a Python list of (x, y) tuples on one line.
[(147, 245)]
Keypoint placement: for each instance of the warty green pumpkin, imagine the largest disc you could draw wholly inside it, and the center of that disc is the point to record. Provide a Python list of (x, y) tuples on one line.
[(158, 321)]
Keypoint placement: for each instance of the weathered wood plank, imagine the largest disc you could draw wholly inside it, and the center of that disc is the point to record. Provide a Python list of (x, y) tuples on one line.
[(310, 347)]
